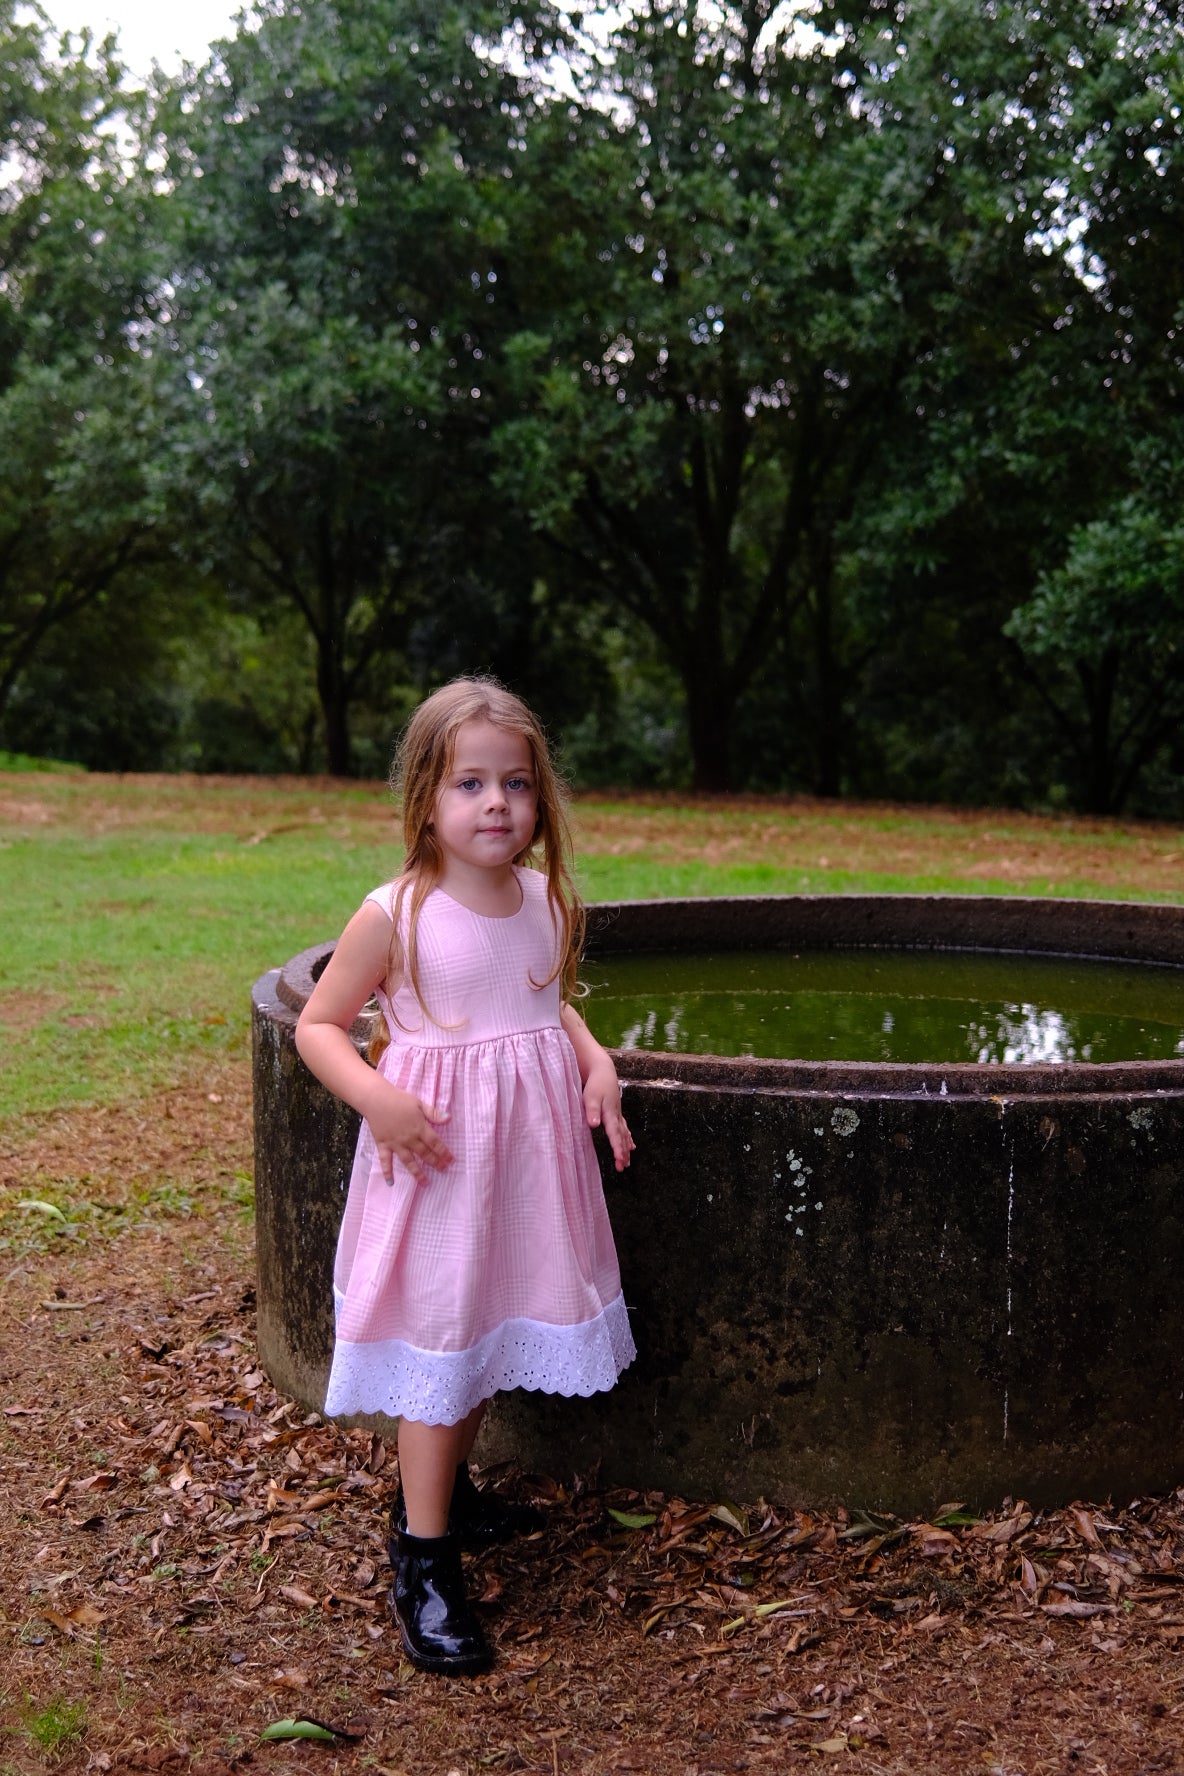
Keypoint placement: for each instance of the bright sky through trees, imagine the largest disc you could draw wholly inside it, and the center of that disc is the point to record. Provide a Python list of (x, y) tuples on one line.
[(148, 31)]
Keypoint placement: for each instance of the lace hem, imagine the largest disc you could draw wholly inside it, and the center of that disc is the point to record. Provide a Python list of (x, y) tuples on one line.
[(442, 1387)]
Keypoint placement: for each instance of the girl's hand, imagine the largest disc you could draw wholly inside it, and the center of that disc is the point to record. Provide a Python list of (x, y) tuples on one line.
[(404, 1128), (602, 1106), (602, 1089)]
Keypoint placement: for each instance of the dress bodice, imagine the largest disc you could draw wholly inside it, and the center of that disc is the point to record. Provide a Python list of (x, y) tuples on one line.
[(478, 975)]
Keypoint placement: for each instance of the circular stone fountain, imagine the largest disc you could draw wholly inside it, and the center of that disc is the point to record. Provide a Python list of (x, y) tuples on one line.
[(891, 1284)]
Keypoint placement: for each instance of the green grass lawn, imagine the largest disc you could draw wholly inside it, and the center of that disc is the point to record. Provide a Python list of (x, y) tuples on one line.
[(615, 878), (128, 949), (140, 949)]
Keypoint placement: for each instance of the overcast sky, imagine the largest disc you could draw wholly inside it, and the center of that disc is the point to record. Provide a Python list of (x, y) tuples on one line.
[(149, 31)]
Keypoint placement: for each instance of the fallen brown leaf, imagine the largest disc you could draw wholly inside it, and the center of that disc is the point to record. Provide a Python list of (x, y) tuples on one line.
[(295, 1595), (292, 1679), (1084, 1525)]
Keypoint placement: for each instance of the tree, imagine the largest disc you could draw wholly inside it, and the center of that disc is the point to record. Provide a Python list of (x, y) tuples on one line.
[(1101, 630), (749, 284), (334, 177), (77, 509), (1111, 618)]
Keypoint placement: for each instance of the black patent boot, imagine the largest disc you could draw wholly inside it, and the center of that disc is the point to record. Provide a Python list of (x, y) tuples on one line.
[(428, 1603), (478, 1517)]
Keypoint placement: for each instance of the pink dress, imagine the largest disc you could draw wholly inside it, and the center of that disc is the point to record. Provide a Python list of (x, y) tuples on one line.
[(500, 1271)]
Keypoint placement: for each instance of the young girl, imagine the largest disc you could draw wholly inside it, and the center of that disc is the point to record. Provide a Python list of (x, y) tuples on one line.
[(475, 1252)]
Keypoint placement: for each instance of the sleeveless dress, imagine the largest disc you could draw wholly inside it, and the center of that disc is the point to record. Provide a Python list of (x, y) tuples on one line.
[(500, 1271)]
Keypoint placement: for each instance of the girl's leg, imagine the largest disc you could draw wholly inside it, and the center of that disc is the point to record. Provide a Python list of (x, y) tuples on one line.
[(437, 1627), (437, 1490), (428, 1459), (469, 1427)]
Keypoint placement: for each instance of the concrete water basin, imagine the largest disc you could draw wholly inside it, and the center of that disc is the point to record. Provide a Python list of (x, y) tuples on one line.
[(888, 1284)]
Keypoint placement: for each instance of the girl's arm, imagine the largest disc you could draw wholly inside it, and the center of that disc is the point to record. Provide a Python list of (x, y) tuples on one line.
[(602, 1090), (402, 1125)]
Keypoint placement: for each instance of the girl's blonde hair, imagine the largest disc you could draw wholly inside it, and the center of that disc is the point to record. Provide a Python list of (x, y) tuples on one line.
[(422, 761)]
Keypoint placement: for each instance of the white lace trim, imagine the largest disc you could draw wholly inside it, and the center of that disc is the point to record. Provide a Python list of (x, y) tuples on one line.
[(442, 1387)]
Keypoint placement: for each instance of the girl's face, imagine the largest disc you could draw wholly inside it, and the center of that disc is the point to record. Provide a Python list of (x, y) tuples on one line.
[(487, 804)]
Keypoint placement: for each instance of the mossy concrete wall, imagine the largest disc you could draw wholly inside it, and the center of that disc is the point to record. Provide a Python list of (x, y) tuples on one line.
[(304, 1148), (889, 1286), (890, 1301)]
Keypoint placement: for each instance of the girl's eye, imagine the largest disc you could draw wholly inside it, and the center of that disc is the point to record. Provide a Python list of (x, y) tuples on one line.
[(470, 783), (517, 783)]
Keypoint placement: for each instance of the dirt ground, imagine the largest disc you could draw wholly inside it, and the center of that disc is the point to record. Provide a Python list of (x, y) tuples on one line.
[(187, 1560)]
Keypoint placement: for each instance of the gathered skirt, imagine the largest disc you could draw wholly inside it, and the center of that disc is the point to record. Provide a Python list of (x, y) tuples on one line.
[(500, 1271)]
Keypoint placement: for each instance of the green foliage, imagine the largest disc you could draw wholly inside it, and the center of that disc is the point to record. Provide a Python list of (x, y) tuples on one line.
[(774, 401), (1121, 585), (752, 289), (636, 733), (21, 761), (1111, 618), (331, 181), (77, 506)]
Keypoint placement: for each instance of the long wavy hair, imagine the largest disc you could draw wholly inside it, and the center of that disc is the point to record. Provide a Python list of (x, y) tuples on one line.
[(422, 761)]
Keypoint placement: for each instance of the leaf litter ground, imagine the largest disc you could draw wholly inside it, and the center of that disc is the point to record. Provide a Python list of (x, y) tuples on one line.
[(188, 1559)]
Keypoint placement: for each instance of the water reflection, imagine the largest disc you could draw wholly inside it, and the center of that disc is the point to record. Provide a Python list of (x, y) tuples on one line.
[(1025, 1033), (890, 1006)]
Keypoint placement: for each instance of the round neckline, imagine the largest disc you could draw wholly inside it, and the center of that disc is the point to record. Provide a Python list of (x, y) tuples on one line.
[(490, 918)]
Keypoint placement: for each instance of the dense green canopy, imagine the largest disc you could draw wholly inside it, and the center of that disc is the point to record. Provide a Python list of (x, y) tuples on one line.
[(779, 397)]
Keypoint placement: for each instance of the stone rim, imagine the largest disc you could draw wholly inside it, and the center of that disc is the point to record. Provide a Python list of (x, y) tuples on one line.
[(1099, 930)]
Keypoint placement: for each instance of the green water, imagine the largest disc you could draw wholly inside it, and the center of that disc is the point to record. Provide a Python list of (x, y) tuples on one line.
[(888, 1005)]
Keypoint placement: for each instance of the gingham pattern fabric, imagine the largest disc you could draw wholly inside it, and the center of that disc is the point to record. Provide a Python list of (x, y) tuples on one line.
[(500, 1271)]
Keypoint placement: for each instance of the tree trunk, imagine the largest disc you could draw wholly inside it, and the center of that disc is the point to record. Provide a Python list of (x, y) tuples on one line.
[(334, 599), (710, 709), (1099, 685), (829, 728), (335, 708)]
